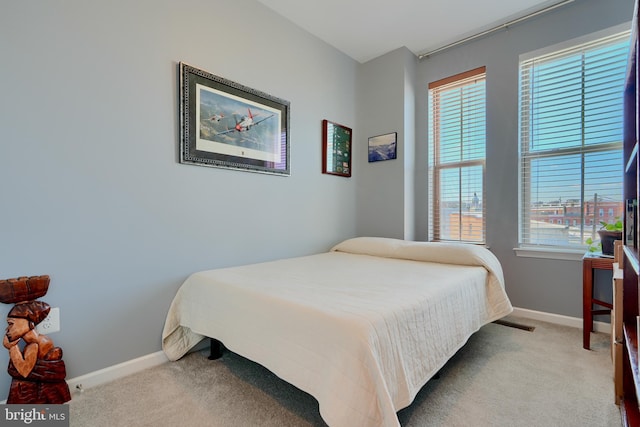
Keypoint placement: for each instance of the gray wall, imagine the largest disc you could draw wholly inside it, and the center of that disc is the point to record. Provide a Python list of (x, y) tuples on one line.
[(386, 100), (546, 285), (92, 193)]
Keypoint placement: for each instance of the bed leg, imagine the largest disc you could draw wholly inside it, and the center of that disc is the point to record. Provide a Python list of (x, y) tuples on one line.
[(216, 349)]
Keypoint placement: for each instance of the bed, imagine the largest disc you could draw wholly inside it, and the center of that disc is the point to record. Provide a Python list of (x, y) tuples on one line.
[(361, 327)]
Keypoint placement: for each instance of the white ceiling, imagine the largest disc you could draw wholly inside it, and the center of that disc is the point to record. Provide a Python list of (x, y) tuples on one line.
[(366, 29)]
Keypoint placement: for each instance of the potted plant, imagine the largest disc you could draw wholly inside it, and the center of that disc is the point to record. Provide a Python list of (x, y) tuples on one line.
[(609, 233)]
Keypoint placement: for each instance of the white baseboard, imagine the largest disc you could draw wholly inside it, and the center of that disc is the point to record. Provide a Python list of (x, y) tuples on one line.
[(559, 319), (120, 370), (115, 372), (111, 373)]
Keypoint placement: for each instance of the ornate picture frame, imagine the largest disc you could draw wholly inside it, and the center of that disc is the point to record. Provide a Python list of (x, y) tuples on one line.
[(227, 125)]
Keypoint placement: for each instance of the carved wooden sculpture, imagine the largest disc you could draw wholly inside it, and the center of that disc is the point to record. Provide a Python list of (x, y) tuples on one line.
[(35, 364)]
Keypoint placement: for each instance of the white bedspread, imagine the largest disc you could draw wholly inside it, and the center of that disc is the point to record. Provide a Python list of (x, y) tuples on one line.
[(361, 328)]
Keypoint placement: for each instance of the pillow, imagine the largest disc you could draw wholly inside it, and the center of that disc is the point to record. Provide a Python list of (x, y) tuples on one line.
[(375, 246), (441, 252)]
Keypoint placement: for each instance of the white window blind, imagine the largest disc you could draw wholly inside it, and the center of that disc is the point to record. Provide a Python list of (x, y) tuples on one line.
[(457, 138), (571, 142)]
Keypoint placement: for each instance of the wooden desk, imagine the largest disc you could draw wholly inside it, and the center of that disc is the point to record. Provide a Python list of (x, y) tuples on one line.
[(589, 264)]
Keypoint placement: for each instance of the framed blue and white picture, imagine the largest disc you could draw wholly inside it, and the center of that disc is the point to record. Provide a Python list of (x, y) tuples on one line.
[(383, 147)]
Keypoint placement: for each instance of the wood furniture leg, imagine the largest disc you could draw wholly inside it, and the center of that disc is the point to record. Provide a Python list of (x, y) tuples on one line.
[(587, 294), (589, 264)]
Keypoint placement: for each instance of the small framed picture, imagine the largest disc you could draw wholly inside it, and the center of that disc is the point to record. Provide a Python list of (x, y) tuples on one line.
[(336, 149), (382, 147)]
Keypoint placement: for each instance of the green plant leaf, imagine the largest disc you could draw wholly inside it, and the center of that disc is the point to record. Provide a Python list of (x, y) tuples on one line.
[(615, 226)]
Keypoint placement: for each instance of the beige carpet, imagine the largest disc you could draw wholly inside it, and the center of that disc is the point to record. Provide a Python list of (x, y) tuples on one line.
[(502, 377)]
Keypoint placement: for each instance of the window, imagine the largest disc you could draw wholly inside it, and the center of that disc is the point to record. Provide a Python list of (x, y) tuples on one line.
[(571, 141), (457, 135)]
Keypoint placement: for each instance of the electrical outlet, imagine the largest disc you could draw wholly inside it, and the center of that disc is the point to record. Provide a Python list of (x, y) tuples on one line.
[(51, 323)]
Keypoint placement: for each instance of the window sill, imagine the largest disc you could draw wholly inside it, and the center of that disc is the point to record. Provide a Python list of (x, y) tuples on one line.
[(551, 253)]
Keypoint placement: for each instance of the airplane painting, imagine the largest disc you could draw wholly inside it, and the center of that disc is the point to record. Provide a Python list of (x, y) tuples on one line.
[(224, 124), (245, 123), (235, 126)]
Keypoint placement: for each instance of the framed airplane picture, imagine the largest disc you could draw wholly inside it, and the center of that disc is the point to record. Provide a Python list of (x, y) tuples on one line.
[(225, 124)]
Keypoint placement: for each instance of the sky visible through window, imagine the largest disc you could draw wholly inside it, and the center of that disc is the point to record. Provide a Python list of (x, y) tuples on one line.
[(462, 138), (571, 135), (457, 147), (557, 122)]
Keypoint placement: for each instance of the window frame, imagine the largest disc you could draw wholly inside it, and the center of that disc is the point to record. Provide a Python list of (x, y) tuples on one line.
[(435, 166), (549, 251)]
